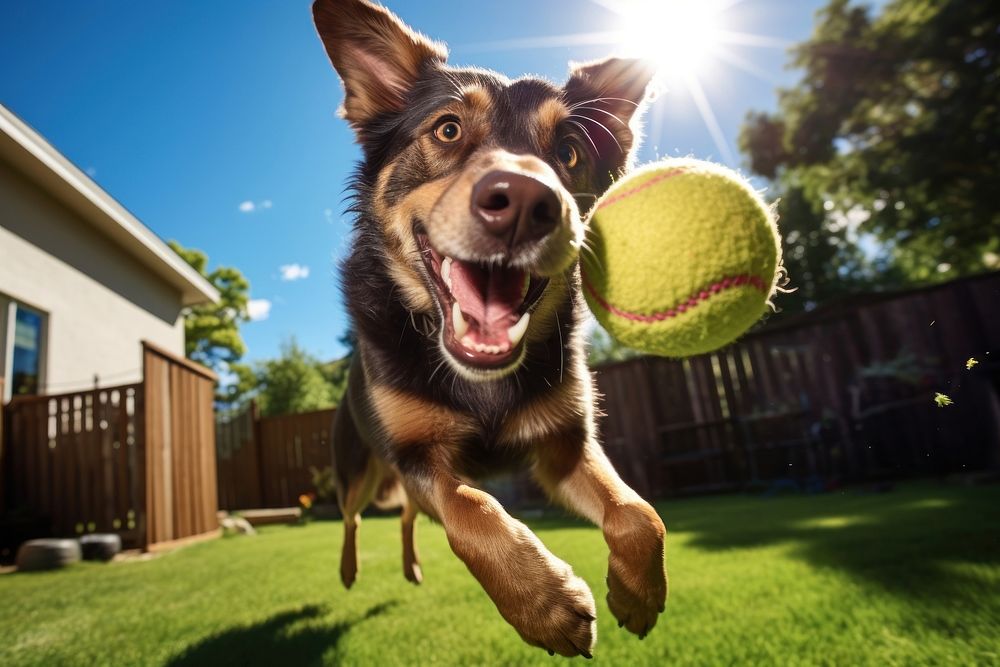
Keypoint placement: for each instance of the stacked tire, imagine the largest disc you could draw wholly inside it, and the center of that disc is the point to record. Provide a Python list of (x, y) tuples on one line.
[(54, 553), (47, 554)]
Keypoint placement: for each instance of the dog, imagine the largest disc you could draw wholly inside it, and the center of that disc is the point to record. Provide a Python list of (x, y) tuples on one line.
[(463, 288)]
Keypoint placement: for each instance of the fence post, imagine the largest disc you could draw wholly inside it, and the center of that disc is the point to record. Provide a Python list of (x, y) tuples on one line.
[(258, 447)]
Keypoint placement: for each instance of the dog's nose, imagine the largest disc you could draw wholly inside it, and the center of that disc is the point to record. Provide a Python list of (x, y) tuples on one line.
[(515, 207)]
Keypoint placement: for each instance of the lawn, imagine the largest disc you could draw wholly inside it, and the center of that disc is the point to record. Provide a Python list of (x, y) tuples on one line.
[(902, 578)]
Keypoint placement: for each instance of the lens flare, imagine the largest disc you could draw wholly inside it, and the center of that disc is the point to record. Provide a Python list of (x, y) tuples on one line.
[(680, 36)]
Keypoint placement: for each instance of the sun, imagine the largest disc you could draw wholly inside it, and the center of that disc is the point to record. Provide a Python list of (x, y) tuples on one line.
[(678, 35), (687, 40)]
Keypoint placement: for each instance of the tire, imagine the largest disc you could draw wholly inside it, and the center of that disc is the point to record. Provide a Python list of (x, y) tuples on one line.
[(100, 546), (47, 554)]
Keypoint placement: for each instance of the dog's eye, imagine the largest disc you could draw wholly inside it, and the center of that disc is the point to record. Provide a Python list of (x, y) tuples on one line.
[(566, 153), (448, 131)]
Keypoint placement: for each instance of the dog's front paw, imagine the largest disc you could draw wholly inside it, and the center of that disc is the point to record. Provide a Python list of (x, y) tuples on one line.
[(637, 579), (555, 612)]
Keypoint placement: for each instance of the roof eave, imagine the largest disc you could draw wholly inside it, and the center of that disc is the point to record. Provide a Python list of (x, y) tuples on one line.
[(42, 163)]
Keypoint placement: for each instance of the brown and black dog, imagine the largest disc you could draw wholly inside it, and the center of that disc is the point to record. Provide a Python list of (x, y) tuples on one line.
[(464, 292)]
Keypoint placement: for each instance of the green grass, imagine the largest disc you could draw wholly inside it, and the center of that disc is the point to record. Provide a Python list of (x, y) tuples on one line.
[(909, 577)]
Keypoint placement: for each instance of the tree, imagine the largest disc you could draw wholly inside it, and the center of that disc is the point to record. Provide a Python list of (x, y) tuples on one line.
[(336, 373), (604, 349), (294, 382), (886, 154), (212, 330)]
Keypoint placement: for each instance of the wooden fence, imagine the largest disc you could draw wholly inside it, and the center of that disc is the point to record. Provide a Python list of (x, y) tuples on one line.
[(75, 458), (181, 496), (266, 461), (839, 395), (845, 394), (137, 459), (238, 459)]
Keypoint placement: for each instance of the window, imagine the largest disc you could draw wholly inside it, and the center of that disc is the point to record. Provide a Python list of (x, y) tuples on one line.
[(26, 361), (23, 357)]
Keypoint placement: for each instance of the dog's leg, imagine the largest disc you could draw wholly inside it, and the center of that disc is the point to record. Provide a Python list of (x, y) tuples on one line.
[(358, 494), (411, 563), (575, 471), (536, 592)]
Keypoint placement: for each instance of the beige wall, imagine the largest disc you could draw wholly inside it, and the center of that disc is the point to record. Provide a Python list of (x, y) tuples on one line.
[(99, 301)]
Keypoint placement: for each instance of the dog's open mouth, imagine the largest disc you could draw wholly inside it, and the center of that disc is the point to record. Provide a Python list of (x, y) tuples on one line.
[(486, 308)]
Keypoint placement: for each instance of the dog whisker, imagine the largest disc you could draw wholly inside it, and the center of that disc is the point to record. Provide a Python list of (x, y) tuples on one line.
[(586, 134), (624, 124), (436, 369), (603, 99), (561, 351), (603, 127), (577, 105)]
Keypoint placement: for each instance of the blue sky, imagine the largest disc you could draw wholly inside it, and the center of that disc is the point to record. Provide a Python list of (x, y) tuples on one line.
[(187, 111)]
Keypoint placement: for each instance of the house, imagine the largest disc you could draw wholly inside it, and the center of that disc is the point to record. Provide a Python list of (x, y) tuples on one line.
[(82, 280)]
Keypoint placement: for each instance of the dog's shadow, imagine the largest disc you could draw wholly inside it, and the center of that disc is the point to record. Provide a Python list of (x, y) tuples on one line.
[(274, 641)]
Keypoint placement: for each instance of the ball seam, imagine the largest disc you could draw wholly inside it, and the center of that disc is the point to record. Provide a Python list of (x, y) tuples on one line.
[(615, 198), (699, 297)]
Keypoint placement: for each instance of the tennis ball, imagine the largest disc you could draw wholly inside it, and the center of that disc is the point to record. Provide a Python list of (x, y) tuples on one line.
[(682, 257)]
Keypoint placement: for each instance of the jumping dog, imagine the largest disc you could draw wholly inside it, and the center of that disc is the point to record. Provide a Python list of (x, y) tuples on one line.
[(463, 288)]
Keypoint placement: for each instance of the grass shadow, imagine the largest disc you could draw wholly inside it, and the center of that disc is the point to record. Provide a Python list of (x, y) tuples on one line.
[(913, 542), (274, 641), (906, 542)]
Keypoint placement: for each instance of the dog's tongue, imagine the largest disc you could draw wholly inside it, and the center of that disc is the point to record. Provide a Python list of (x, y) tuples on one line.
[(488, 296)]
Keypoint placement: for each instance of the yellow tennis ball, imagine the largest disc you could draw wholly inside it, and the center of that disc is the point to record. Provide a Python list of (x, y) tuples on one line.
[(682, 257)]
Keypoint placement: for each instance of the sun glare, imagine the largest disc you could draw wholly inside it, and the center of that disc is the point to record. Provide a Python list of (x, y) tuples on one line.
[(682, 37), (678, 35)]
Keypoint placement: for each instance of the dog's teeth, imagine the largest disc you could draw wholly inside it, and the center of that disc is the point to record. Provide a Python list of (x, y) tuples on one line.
[(524, 288), (446, 271), (458, 321), (483, 348), (516, 332)]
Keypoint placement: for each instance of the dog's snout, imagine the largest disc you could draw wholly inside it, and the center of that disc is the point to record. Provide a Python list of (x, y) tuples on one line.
[(515, 207)]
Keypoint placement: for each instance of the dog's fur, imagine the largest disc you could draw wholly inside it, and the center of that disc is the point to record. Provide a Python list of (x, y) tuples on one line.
[(418, 424)]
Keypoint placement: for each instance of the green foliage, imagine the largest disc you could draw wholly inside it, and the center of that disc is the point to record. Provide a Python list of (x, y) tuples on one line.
[(242, 386), (294, 382), (335, 373), (886, 154), (212, 330), (605, 349), (325, 484), (902, 578)]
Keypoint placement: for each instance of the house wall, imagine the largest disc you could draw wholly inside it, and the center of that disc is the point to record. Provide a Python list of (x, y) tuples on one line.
[(99, 301)]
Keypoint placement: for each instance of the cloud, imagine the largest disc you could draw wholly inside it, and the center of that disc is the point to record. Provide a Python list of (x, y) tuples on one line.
[(328, 214), (291, 272), (91, 171), (258, 309), (250, 206)]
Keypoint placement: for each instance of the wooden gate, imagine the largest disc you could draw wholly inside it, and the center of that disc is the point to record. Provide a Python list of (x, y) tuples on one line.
[(181, 495)]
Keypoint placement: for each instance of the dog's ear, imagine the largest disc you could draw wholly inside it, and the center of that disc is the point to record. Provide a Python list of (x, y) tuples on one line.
[(611, 87), (377, 56)]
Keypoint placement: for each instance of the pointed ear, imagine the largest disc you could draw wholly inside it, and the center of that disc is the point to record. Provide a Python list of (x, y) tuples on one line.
[(611, 87), (377, 56)]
